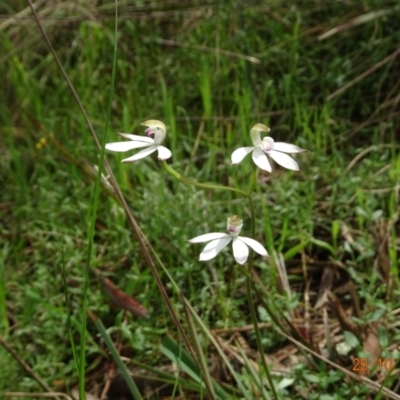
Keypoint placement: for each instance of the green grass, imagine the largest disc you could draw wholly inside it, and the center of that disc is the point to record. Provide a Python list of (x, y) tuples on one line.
[(340, 211)]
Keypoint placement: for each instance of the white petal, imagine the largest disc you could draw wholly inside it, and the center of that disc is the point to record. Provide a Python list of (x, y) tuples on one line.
[(287, 147), (137, 138), (163, 153), (261, 160), (256, 246), (213, 248), (284, 160), (208, 236), (125, 146), (238, 155), (142, 154), (240, 251)]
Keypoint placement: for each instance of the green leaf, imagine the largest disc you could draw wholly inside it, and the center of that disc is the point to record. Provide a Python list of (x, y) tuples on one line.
[(335, 229), (351, 339), (312, 378), (177, 354), (295, 250), (383, 337), (376, 315), (323, 245), (117, 359)]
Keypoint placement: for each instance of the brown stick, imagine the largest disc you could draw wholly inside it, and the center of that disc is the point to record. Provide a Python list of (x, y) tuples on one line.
[(132, 221), (27, 368)]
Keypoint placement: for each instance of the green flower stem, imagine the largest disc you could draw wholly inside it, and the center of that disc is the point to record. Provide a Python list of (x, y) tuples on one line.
[(249, 291), (253, 179), (248, 195), (253, 223), (178, 176)]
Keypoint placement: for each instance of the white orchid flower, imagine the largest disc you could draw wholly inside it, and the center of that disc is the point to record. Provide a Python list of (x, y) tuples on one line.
[(219, 241), (267, 146), (156, 132)]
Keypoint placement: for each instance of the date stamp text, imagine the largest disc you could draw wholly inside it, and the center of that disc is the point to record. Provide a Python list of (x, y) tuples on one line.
[(362, 364)]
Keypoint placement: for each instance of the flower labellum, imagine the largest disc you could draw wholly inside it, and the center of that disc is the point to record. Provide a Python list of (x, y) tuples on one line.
[(267, 146), (219, 241), (155, 135)]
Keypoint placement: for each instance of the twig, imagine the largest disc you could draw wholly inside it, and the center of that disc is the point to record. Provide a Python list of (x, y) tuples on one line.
[(362, 19), (364, 75), (27, 368), (244, 328), (132, 221), (204, 48), (373, 385), (34, 394)]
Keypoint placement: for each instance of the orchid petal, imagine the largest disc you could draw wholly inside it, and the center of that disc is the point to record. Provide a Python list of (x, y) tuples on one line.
[(163, 153), (238, 155), (142, 154), (284, 160), (137, 138), (267, 144), (256, 246), (125, 146), (154, 123), (261, 160), (240, 251), (287, 147), (214, 247), (209, 236)]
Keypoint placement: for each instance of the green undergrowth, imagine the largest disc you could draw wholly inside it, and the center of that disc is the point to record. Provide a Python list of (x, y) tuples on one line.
[(338, 210)]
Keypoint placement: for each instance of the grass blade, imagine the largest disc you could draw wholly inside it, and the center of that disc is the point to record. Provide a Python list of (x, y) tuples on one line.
[(115, 355)]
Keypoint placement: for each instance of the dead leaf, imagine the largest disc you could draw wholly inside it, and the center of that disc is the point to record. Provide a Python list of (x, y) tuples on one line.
[(343, 318), (371, 346), (122, 300), (325, 284)]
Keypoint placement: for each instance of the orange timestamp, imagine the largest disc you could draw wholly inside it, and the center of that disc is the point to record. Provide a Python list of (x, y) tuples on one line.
[(362, 364)]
